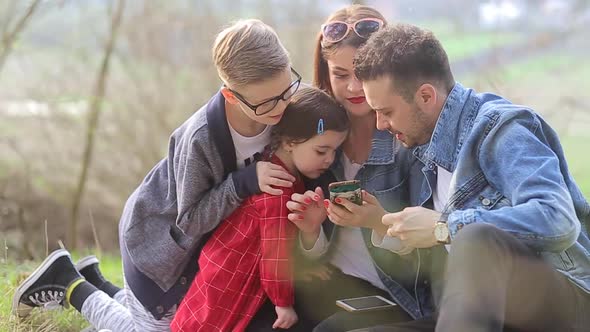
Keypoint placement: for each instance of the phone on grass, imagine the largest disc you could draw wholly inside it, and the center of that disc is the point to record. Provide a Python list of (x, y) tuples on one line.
[(351, 190), (365, 303)]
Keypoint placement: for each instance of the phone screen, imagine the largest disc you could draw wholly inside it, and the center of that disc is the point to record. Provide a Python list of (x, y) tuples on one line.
[(350, 190), (366, 302)]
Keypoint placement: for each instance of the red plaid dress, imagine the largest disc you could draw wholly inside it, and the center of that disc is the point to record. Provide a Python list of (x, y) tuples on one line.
[(247, 258)]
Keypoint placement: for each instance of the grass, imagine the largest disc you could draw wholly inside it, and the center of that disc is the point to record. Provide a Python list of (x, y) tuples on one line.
[(578, 161), (464, 44), (547, 73), (67, 320), (545, 68)]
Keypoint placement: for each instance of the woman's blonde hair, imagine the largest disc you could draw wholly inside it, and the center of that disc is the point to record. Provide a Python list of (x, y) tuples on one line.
[(247, 52)]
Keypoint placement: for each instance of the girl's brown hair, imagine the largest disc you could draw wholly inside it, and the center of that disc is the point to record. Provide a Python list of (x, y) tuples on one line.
[(324, 49), (300, 121)]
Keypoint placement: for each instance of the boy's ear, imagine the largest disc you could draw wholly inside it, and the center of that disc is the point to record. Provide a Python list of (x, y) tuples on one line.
[(229, 96)]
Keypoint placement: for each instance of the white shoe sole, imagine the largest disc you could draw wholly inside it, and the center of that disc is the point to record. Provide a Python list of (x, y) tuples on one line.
[(85, 262), (24, 310)]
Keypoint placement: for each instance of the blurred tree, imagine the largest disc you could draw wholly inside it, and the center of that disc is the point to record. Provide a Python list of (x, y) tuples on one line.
[(9, 35), (93, 118)]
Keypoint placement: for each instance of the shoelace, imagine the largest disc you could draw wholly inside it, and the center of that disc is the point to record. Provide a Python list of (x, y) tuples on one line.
[(48, 300)]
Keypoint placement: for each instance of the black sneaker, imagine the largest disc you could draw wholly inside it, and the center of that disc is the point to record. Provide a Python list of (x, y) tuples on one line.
[(88, 268), (46, 287)]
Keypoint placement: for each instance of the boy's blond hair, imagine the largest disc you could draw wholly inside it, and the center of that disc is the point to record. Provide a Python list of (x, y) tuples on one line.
[(249, 51)]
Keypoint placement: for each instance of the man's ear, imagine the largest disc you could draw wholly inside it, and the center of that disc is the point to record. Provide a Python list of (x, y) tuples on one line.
[(426, 95), (229, 96)]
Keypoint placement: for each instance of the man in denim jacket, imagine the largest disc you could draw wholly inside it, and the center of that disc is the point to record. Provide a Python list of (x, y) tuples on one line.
[(505, 205)]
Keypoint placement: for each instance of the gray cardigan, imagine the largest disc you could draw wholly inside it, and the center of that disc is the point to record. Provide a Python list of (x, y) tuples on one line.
[(182, 199)]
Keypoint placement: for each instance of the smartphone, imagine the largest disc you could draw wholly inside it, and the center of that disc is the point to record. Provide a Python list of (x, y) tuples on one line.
[(350, 190), (366, 303)]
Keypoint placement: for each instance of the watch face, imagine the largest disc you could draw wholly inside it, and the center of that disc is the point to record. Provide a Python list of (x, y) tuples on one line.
[(441, 232)]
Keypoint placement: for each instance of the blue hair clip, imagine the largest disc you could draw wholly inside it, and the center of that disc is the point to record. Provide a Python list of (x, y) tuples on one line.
[(320, 126)]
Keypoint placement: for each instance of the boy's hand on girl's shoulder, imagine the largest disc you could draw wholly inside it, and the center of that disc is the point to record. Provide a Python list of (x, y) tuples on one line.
[(271, 175), (286, 317)]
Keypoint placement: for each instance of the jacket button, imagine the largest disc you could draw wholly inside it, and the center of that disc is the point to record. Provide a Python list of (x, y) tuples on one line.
[(486, 201), (183, 280), (160, 309), (460, 225)]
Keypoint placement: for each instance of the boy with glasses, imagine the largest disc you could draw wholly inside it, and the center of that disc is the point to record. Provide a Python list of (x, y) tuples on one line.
[(210, 169)]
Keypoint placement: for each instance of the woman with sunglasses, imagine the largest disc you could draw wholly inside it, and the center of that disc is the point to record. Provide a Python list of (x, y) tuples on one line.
[(359, 263)]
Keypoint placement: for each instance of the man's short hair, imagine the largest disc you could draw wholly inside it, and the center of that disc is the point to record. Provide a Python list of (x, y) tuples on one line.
[(410, 56)]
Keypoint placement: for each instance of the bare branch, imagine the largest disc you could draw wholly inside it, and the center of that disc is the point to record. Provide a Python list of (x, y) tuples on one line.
[(9, 37), (93, 118)]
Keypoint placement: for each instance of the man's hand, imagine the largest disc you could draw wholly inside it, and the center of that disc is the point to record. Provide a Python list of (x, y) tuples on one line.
[(368, 215), (414, 226), (270, 175), (286, 317)]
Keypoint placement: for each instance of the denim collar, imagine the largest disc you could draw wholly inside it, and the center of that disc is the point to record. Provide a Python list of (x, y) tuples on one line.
[(452, 128), (384, 148)]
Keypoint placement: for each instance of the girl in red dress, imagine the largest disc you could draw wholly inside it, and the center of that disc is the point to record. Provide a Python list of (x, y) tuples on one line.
[(248, 257)]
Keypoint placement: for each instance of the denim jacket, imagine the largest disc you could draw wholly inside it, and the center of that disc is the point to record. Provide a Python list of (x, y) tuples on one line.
[(385, 174), (509, 170)]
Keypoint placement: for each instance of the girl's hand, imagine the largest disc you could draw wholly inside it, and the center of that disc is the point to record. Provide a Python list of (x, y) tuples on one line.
[(307, 211), (368, 215), (270, 175), (286, 317)]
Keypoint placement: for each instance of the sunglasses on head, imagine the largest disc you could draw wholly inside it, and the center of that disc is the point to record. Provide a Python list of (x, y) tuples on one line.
[(337, 30)]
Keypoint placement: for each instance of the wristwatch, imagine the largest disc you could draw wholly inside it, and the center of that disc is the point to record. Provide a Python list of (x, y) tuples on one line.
[(441, 233), (441, 230)]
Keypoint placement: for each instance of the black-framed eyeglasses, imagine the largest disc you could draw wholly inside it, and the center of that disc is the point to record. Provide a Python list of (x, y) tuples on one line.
[(269, 104)]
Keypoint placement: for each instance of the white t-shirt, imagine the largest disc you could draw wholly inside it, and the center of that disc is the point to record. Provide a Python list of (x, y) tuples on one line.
[(247, 148), (440, 196), (351, 255)]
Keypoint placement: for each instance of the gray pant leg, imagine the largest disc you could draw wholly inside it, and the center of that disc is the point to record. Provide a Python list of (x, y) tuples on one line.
[(143, 320), (123, 313), (103, 312), (494, 281), (121, 296)]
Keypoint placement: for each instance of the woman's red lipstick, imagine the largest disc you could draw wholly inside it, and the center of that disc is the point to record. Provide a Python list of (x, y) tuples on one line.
[(357, 100)]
